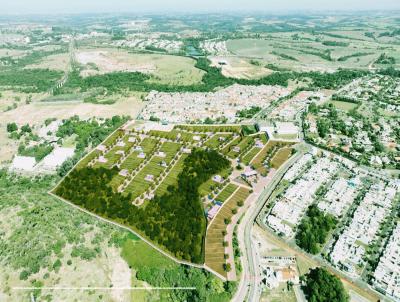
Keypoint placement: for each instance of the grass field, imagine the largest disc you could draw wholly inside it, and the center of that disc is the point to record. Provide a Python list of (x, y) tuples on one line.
[(166, 69), (172, 177), (264, 158), (218, 140), (346, 106), (308, 52), (280, 157), (226, 192), (248, 157), (215, 251), (139, 185), (210, 185), (243, 145), (210, 128)]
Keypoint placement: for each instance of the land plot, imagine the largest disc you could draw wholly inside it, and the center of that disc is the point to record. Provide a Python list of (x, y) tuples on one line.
[(244, 144), (166, 69), (170, 150), (235, 141), (172, 177), (266, 154), (280, 157), (207, 187), (140, 184), (226, 192), (217, 140), (248, 157), (215, 250), (210, 128)]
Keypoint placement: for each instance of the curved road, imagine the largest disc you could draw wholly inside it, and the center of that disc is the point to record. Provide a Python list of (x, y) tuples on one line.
[(248, 289)]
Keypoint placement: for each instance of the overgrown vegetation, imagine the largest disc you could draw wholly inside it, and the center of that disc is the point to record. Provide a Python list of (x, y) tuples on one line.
[(89, 133), (44, 229), (30, 80)]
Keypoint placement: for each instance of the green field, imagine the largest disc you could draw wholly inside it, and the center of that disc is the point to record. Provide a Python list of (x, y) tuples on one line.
[(226, 192)]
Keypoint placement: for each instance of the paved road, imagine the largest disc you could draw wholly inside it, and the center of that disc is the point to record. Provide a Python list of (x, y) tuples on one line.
[(249, 289)]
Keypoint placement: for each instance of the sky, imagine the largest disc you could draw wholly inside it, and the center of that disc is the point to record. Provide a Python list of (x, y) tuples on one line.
[(140, 6)]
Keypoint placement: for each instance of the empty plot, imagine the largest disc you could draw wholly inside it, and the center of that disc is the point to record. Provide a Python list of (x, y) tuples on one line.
[(140, 184), (85, 161), (243, 145), (210, 185), (211, 128), (113, 138), (248, 157), (235, 141), (170, 149)]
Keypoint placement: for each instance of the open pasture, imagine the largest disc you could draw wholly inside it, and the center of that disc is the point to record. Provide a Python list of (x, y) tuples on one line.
[(165, 69), (319, 51)]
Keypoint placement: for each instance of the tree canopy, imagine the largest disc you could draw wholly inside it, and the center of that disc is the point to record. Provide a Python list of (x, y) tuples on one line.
[(174, 220), (322, 286)]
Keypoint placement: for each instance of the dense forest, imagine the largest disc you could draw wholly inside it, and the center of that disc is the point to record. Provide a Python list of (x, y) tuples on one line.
[(30, 80), (321, 286), (175, 220), (314, 229)]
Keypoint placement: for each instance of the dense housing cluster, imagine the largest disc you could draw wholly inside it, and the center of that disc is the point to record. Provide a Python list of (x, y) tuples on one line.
[(221, 105), (332, 206)]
